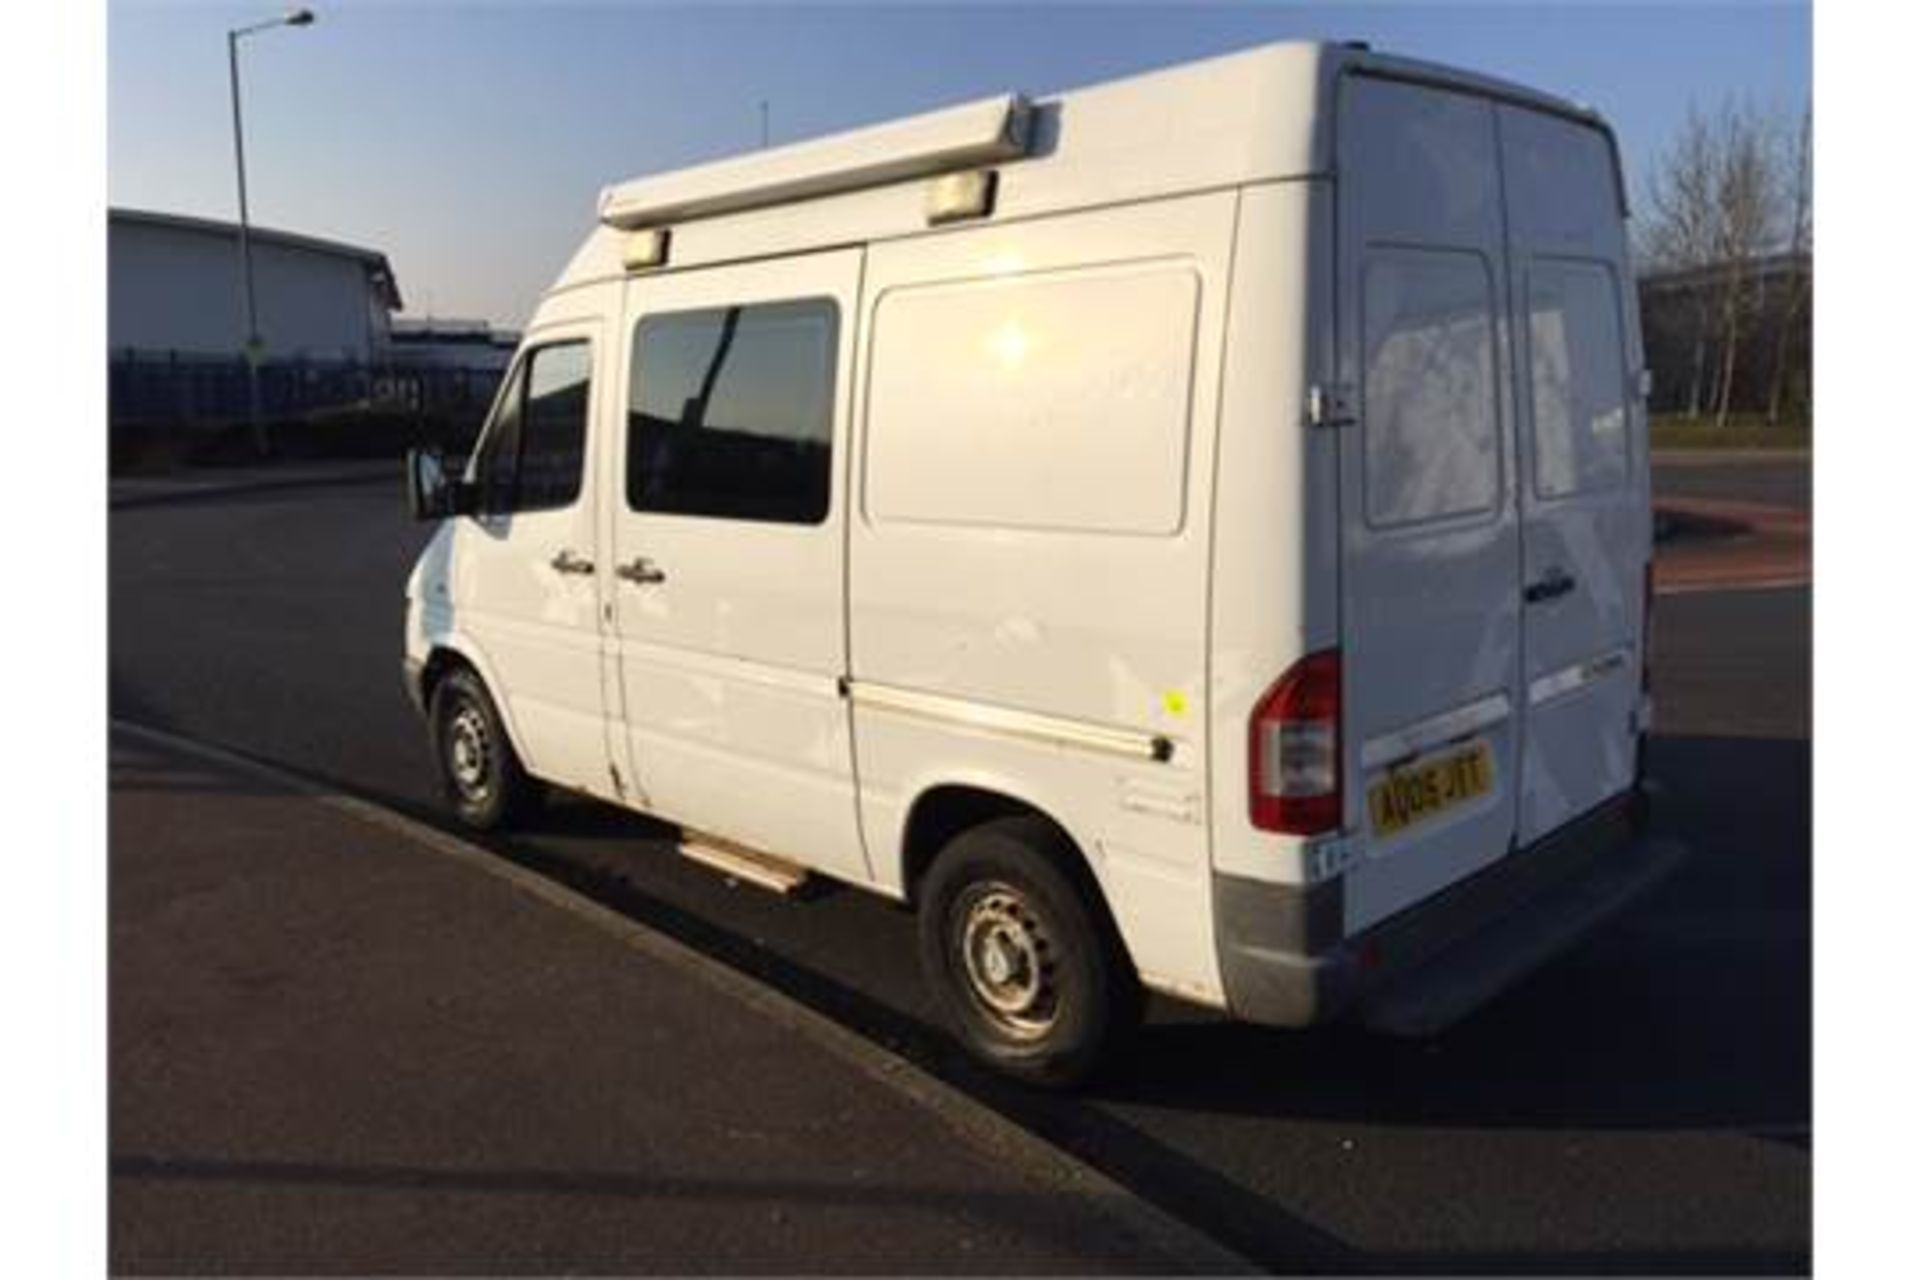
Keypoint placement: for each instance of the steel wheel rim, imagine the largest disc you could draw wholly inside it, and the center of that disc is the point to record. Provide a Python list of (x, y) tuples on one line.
[(469, 752), (1007, 958)]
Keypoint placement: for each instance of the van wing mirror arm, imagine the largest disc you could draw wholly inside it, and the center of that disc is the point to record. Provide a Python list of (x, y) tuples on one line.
[(433, 491)]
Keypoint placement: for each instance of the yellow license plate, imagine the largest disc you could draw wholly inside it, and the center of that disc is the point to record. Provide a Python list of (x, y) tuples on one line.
[(1416, 792)]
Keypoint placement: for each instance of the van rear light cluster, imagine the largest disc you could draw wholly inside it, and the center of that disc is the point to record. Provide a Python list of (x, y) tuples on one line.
[(1293, 750)]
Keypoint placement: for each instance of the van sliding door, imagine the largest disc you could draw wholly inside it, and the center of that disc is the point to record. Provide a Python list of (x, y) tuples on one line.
[(728, 540)]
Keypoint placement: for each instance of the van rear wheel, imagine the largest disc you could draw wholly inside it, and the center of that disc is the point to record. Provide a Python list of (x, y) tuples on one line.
[(482, 777), (1025, 967)]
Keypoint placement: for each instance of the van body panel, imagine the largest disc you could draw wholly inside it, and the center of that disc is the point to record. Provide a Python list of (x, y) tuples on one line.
[(984, 590), (730, 663), (1276, 538), (1423, 969), (1508, 574), (538, 628), (433, 627), (1214, 124), (1430, 575), (1584, 482), (1246, 117), (1028, 614), (1133, 822)]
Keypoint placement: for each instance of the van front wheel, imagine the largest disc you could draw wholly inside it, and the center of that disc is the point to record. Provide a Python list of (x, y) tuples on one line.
[(479, 771), (1028, 973)]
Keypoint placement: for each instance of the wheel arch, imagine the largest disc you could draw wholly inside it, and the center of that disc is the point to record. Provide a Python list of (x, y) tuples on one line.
[(942, 811), (448, 652)]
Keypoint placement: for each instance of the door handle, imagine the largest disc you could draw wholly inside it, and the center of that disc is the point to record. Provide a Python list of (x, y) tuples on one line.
[(1556, 583), (565, 561), (642, 571)]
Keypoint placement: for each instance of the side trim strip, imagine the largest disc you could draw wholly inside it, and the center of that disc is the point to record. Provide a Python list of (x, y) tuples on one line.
[(1403, 744), (1033, 725), (1578, 676), (682, 661)]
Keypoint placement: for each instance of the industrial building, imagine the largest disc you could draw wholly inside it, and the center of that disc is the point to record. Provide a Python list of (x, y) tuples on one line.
[(174, 289), (453, 344), (331, 350)]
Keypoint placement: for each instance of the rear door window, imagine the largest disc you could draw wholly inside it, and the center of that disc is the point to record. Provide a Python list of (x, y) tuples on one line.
[(1430, 418), (1578, 377)]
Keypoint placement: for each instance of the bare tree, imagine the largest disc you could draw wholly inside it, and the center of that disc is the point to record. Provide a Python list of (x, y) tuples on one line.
[(1681, 234), (1799, 244), (1715, 198), (1746, 196)]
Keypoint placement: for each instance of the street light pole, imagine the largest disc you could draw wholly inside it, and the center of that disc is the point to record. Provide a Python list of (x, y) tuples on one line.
[(255, 349)]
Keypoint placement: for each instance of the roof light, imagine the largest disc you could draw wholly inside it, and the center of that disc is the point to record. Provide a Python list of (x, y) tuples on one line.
[(645, 249), (953, 196)]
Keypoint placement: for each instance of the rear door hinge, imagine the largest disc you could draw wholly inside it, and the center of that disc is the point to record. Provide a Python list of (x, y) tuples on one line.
[(1331, 404)]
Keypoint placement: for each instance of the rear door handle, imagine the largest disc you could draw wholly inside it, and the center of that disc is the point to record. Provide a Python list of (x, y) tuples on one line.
[(1555, 584), (565, 561), (642, 571)]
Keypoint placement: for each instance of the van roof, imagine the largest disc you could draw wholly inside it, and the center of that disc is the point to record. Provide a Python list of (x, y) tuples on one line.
[(1260, 114)]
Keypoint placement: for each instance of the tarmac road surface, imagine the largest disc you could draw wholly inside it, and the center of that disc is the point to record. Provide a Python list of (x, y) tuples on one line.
[(1641, 1105), (1778, 479), (345, 1042)]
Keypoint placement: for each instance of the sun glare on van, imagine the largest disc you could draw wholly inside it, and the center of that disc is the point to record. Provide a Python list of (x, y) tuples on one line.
[(1009, 344)]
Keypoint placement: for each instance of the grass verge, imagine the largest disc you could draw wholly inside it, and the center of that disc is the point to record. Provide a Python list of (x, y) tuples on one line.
[(1675, 431)]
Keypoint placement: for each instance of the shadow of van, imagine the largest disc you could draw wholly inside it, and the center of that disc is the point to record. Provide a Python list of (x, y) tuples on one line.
[(1691, 1011)]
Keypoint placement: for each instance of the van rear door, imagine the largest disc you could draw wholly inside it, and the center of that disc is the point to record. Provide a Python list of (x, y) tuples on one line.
[(1586, 528), (1430, 600)]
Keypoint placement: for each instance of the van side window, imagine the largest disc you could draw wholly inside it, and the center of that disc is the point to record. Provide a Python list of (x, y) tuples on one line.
[(534, 449), (1579, 378), (496, 463), (1430, 421), (730, 412), (553, 426)]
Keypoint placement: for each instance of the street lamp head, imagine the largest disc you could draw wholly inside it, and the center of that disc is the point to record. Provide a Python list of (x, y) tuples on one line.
[(292, 18)]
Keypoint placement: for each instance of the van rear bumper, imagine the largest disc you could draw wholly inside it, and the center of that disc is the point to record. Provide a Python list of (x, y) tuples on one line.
[(1283, 963)]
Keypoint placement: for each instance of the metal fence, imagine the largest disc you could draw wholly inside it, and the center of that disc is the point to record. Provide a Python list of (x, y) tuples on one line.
[(169, 389)]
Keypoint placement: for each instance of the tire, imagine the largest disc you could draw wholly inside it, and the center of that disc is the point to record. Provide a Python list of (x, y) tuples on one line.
[(482, 777), (1022, 958)]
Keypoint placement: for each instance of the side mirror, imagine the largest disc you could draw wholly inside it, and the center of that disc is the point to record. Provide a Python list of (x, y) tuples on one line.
[(432, 492)]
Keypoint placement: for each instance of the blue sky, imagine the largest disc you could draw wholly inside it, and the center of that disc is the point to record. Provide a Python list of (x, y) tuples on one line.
[(468, 140)]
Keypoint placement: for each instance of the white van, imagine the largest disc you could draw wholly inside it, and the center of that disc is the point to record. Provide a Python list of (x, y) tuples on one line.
[(1190, 533)]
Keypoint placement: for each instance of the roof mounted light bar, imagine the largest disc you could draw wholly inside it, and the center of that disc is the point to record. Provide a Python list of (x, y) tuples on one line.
[(975, 133)]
